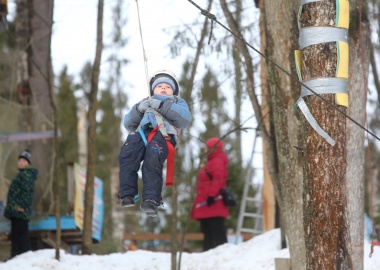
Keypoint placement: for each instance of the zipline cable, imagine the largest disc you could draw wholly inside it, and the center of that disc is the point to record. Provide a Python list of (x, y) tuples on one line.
[(213, 17), (143, 48)]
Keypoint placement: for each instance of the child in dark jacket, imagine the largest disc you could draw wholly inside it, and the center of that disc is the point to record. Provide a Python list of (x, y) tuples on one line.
[(19, 204), (159, 118)]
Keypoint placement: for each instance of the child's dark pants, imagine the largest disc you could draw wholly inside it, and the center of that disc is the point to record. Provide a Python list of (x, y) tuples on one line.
[(132, 153), (19, 236)]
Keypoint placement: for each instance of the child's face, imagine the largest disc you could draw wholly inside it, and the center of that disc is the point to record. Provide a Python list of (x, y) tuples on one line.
[(163, 89), (22, 163)]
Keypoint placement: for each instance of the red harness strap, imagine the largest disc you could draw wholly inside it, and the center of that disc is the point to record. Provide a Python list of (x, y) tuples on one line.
[(170, 158)]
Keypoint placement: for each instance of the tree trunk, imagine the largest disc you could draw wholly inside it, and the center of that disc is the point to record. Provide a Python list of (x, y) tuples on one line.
[(375, 19), (283, 160), (200, 45), (57, 178), (91, 136), (40, 72), (56, 174), (359, 44), (174, 221), (375, 72), (22, 40), (284, 124), (325, 202), (269, 199), (238, 86)]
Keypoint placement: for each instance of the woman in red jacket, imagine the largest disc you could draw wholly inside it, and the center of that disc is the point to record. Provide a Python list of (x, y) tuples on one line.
[(208, 207)]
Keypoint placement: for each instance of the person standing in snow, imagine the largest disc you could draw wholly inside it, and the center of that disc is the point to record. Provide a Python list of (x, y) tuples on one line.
[(19, 204), (154, 124), (208, 210)]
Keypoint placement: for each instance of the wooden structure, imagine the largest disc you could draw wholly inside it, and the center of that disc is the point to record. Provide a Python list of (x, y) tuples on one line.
[(43, 233), (167, 236), (43, 238)]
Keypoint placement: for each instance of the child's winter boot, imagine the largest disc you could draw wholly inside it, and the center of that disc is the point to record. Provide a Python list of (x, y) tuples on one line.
[(129, 201), (149, 207)]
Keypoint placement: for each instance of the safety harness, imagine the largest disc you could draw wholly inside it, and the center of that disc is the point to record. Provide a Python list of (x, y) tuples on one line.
[(161, 127)]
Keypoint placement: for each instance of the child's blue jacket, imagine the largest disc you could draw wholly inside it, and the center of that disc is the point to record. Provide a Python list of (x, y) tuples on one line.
[(174, 110)]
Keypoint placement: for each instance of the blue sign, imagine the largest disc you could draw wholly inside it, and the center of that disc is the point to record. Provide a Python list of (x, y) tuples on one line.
[(98, 213)]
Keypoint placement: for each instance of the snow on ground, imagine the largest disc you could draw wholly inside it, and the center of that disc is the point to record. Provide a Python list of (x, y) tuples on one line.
[(257, 253)]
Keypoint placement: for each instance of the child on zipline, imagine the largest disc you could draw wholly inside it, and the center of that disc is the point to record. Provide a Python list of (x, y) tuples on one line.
[(154, 124)]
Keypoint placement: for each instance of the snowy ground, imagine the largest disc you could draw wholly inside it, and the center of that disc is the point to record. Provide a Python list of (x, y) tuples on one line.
[(257, 254)]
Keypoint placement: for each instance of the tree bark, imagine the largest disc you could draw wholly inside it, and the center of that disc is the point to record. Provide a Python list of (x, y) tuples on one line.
[(174, 221), (375, 72), (187, 95), (359, 44), (238, 86), (269, 199), (283, 160), (91, 136), (284, 124), (56, 174), (326, 225), (40, 74), (22, 40)]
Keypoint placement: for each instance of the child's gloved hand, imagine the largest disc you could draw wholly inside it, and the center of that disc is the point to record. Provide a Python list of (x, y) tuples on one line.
[(155, 103), (143, 106)]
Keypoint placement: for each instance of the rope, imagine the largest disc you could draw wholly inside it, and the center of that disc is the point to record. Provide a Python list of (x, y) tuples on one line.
[(143, 48), (211, 16)]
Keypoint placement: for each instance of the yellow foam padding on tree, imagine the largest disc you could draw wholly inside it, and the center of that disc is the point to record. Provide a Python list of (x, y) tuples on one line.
[(341, 99), (342, 20), (342, 13), (342, 64), (342, 70), (298, 57)]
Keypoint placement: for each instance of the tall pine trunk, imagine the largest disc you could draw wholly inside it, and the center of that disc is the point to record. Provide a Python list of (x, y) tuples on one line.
[(91, 136), (327, 236)]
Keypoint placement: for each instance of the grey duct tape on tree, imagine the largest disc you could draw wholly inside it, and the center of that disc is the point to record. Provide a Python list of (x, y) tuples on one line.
[(310, 118), (316, 35), (337, 85), (303, 2), (324, 86), (320, 86)]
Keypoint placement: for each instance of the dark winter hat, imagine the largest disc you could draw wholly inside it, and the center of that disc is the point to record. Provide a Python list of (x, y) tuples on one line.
[(26, 155), (214, 141)]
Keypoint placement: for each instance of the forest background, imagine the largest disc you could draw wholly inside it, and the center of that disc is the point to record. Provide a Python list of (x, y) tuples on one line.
[(218, 95)]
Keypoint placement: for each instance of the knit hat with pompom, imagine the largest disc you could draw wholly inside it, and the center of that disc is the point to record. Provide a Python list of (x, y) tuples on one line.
[(26, 155)]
